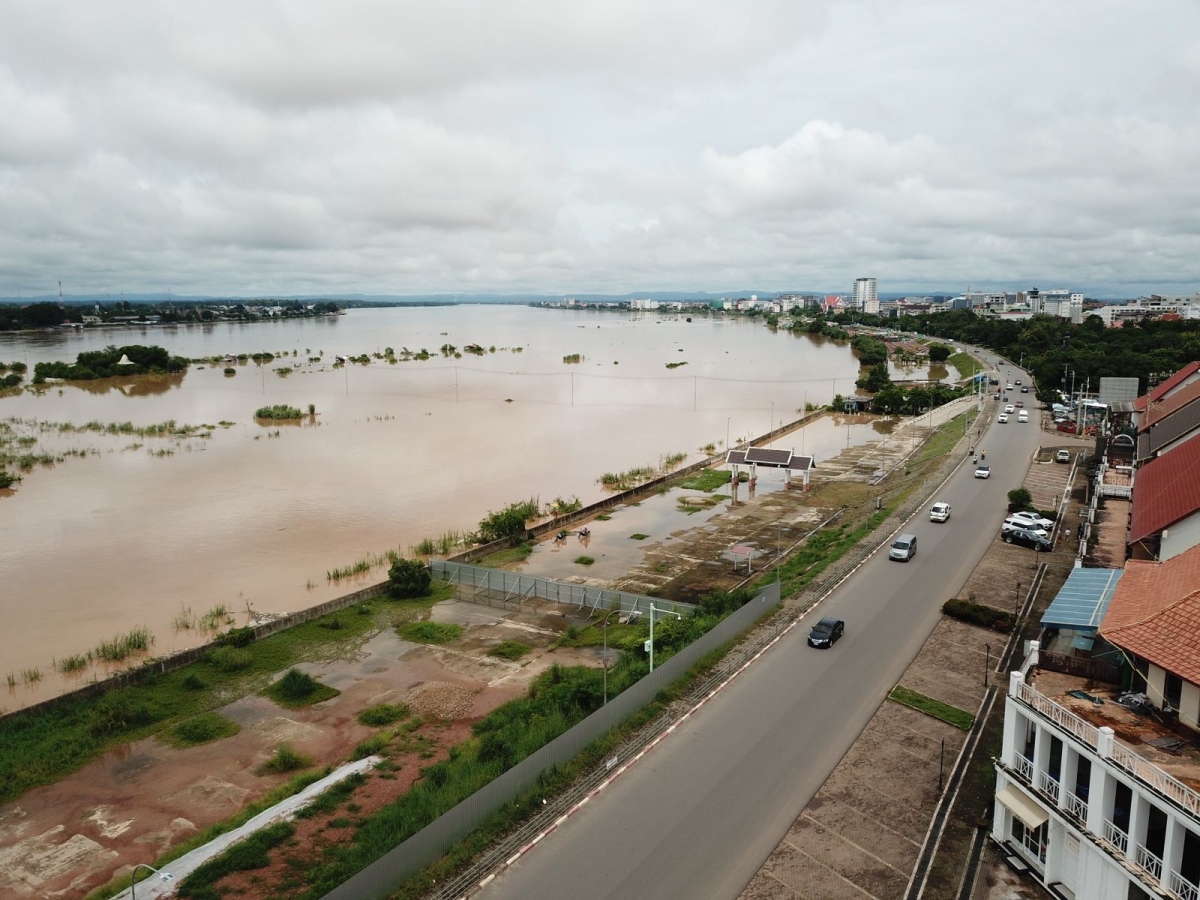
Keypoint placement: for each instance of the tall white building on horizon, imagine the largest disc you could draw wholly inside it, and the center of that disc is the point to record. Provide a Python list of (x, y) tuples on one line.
[(866, 297)]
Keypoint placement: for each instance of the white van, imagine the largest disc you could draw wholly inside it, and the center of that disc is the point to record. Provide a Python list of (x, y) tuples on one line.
[(903, 548), (1022, 416)]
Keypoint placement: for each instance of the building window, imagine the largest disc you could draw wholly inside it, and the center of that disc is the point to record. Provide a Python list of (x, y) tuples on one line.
[(1032, 839)]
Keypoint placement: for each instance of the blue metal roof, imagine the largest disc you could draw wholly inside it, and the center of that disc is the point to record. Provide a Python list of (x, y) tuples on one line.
[(1083, 600)]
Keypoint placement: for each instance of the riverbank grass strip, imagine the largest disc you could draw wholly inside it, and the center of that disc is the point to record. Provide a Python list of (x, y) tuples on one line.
[(951, 715)]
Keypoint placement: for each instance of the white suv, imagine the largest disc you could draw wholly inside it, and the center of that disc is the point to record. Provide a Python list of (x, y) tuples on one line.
[(1030, 520)]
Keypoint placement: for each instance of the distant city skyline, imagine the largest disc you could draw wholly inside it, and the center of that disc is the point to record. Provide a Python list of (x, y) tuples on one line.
[(601, 148)]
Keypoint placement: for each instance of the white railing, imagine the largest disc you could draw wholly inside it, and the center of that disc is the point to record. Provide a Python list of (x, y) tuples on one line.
[(1060, 716), (1174, 790), (1115, 836), (1184, 889), (1048, 784), (1148, 861), (1140, 767), (1024, 767), (1076, 806)]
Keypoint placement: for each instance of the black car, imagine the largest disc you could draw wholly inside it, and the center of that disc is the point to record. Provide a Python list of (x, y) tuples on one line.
[(1028, 538), (1024, 390), (826, 632)]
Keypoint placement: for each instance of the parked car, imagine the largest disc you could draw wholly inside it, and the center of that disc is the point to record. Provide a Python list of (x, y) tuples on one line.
[(1010, 408), (1033, 519), (983, 471), (1063, 456), (1011, 524), (903, 548), (1027, 538), (826, 632), (1002, 418), (939, 512)]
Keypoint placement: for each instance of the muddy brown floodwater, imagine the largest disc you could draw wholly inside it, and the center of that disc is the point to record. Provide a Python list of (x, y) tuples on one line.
[(128, 531)]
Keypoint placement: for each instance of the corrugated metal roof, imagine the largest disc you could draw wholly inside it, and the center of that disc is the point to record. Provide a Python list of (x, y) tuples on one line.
[(1167, 386), (1161, 409), (1167, 490), (1082, 601)]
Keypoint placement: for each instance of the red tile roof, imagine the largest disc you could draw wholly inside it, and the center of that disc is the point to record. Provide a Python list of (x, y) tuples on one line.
[(1157, 410), (1166, 490), (1155, 613), (1167, 386)]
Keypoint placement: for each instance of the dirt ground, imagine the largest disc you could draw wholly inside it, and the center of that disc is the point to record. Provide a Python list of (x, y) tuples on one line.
[(68, 838)]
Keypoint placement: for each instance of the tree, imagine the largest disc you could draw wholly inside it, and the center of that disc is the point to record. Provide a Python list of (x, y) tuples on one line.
[(1019, 499), (408, 578), (876, 378), (939, 353)]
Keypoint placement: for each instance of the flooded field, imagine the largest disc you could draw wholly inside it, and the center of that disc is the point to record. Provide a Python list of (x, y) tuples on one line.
[(126, 527)]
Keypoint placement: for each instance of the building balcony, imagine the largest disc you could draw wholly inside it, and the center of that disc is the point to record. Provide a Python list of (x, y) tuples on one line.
[(1182, 888), (1076, 807), (1116, 837), (1162, 763)]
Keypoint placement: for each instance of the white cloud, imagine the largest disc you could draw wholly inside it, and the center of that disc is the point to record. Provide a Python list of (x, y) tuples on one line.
[(374, 146)]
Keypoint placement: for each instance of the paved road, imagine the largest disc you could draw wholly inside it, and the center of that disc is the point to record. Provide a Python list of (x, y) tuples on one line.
[(700, 813)]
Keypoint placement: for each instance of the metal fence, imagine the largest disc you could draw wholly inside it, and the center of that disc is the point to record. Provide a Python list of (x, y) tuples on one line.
[(514, 587), (425, 847)]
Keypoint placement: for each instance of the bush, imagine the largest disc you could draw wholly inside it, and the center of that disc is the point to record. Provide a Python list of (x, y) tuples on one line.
[(285, 759), (977, 614), (118, 711), (296, 689), (193, 682), (511, 650), (237, 637), (202, 729), (229, 659), (230, 370), (280, 411), (1019, 499), (408, 579), (383, 714)]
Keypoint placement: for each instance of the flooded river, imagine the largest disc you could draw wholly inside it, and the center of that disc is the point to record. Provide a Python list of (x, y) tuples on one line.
[(132, 530)]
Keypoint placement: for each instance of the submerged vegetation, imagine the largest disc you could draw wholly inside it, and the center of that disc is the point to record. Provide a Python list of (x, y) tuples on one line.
[(111, 362), (278, 412)]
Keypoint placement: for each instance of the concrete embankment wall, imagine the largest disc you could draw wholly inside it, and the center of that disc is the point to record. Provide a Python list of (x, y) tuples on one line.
[(266, 629)]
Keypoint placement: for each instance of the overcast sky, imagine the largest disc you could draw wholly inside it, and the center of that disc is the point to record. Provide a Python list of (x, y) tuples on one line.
[(417, 146)]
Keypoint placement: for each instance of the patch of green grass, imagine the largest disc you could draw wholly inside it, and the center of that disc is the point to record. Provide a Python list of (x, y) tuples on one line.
[(373, 745), (707, 480), (966, 365), (952, 715), (511, 650), (603, 517), (638, 536), (516, 554), (430, 632), (229, 659), (584, 560), (382, 714), (334, 797), (201, 729), (252, 853), (297, 689), (285, 759)]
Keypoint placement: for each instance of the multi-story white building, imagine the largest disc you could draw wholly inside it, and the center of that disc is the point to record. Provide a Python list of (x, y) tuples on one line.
[(1088, 814), (866, 297)]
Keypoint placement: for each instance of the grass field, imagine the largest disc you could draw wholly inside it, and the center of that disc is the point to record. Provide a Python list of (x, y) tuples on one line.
[(952, 715)]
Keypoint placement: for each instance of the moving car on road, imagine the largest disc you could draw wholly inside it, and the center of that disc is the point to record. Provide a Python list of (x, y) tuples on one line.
[(903, 548), (1027, 538), (1010, 408), (1002, 418), (939, 512), (826, 632), (983, 471)]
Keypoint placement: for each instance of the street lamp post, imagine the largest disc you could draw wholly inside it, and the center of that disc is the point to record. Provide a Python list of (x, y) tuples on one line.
[(727, 421), (164, 876), (653, 610), (604, 631)]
